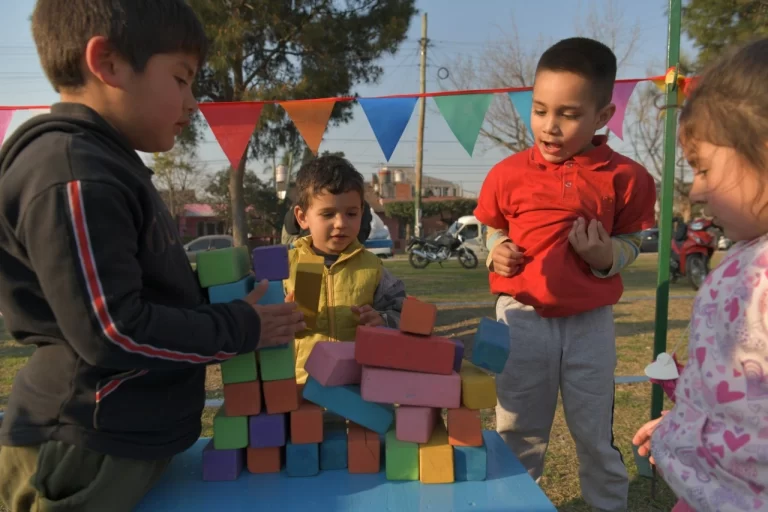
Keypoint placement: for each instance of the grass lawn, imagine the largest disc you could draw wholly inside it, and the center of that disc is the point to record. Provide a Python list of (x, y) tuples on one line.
[(452, 284)]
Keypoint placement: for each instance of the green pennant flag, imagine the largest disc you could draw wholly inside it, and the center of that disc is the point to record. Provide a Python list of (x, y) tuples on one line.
[(465, 114)]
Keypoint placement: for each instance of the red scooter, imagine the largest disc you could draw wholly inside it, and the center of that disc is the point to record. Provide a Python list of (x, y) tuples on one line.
[(692, 249)]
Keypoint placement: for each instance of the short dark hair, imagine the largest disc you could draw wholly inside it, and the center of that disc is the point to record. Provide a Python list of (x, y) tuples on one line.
[(584, 57), (137, 29), (332, 174)]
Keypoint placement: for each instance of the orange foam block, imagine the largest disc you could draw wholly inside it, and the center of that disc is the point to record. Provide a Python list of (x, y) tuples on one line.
[(418, 317), (363, 450), (333, 364), (415, 424), (385, 386), (465, 427), (281, 395), (307, 424), (264, 460), (242, 399), (388, 348)]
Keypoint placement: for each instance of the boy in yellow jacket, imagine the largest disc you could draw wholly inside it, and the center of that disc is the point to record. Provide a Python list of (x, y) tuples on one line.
[(356, 288)]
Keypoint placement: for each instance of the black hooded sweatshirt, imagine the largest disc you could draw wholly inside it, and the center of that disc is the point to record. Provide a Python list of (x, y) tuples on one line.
[(93, 273)]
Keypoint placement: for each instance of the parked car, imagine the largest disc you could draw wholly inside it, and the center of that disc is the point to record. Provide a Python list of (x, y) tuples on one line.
[(379, 241), (207, 243), (649, 241)]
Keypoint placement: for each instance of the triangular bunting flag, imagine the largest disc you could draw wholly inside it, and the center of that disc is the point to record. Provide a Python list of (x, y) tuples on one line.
[(523, 103), (621, 93), (232, 124), (311, 119), (465, 115), (5, 122), (388, 118)]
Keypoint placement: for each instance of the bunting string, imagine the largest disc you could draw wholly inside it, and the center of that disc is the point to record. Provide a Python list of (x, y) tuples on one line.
[(233, 123)]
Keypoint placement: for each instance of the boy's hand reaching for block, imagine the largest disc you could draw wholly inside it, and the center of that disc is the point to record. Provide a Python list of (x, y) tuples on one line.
[(368, 316), (593, 243), (279, 322), (507, 259)]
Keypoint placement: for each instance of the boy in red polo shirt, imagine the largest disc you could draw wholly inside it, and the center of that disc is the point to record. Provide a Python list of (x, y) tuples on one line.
[(565, 217)]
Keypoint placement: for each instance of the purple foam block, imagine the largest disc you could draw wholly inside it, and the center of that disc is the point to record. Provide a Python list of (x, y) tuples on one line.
[(459, 355), (267, 430), (270, 263), (221, 465)]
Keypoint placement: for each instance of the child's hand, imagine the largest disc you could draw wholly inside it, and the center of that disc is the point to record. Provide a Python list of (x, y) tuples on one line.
[(592, 243), (368, 316), (642, 438), (279, 322), (507, 259), (290, 297)]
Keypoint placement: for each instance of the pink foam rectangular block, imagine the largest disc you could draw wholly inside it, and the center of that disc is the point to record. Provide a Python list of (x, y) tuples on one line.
[(387, 386), (333, 364), (415, 424)]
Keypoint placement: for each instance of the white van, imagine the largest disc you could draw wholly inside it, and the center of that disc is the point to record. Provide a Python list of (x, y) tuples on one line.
[(473, 233)]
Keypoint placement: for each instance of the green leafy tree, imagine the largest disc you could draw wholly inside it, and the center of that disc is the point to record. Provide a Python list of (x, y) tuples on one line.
[(715, 25), (279, 49)]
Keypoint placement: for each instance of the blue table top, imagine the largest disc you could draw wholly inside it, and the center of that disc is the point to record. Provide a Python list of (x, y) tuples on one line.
[(507, 488)]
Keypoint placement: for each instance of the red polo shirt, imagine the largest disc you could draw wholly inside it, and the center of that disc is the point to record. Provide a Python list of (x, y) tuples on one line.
[(538, 202)]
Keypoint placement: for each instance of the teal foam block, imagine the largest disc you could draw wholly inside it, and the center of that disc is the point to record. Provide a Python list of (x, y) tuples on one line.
[(224, 293), (347, 402), (275, 294), (333, 450), (470, 463), (491, 347), (302, 459)]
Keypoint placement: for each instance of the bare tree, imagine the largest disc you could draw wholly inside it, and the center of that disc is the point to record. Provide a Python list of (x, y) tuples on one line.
[(177, 177), (512, 63)]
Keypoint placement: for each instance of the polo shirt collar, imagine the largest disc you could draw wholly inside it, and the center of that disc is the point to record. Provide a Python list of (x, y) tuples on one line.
[(595, 159)]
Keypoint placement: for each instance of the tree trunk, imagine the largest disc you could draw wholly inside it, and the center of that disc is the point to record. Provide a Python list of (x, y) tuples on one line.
[(239, 225)]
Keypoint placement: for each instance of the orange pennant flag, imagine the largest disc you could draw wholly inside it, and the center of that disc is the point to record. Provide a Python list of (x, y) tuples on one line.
[(232, 124), (311, 119)]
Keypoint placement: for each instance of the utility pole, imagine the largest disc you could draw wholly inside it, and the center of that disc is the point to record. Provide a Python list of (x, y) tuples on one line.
[(420, 135)]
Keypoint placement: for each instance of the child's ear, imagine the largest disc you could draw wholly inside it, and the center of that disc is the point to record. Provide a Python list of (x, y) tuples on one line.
[(301, 217), (605, 115)]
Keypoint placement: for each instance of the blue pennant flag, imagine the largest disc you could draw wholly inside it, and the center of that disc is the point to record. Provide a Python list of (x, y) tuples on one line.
[(523, 103), (388, 118)]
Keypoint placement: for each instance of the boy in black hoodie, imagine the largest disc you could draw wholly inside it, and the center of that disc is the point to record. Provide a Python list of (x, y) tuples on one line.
[(92, 270)]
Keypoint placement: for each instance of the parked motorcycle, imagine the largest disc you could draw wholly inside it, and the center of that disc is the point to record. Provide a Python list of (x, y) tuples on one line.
[(692, 249), (438, 249)]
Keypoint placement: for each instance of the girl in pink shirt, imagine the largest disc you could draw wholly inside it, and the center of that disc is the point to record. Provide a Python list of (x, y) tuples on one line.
[(712, 447)]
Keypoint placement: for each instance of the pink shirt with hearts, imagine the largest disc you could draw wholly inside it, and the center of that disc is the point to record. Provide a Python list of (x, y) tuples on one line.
[(712, 447)]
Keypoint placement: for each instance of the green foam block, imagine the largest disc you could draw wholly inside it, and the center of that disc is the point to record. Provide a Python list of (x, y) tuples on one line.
[(222, 266), (402, 458), (229, 432), (240, 368), (278, 363)]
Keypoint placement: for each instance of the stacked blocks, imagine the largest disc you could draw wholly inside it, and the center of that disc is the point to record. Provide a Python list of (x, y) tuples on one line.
[(418, 317), (436, 458), (309, 280), (388, 348), (302, 459), (415, 424), (347, 402), (465, 427), (307, 424), (478, 388), (402, 459), (470, 463), (491, 347), (410, 388), (244, 434), (333, 449), (364, 450), (334, 364)]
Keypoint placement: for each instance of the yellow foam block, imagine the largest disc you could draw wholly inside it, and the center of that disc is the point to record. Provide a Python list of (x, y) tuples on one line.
[(436, 458), (478, 388), (309, 280)]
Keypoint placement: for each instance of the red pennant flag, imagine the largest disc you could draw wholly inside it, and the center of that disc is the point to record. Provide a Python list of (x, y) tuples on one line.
[(5, 122), (232, 124), (311, 119)]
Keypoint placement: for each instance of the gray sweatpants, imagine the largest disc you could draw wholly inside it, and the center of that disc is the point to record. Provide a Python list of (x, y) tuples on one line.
[(576, 355)]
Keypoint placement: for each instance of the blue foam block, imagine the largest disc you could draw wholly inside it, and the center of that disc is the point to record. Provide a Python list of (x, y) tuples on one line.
[(458, 355), (271, 262), (347, 402), (275, 294), (224, 293), (333, 450), (302, 459), (491, 346), (470, 463)]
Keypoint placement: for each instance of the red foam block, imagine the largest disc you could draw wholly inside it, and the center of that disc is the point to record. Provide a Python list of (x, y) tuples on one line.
[(388, 348)]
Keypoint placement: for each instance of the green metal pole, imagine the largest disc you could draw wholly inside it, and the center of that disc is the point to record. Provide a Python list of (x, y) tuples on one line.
[(667, 198)]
